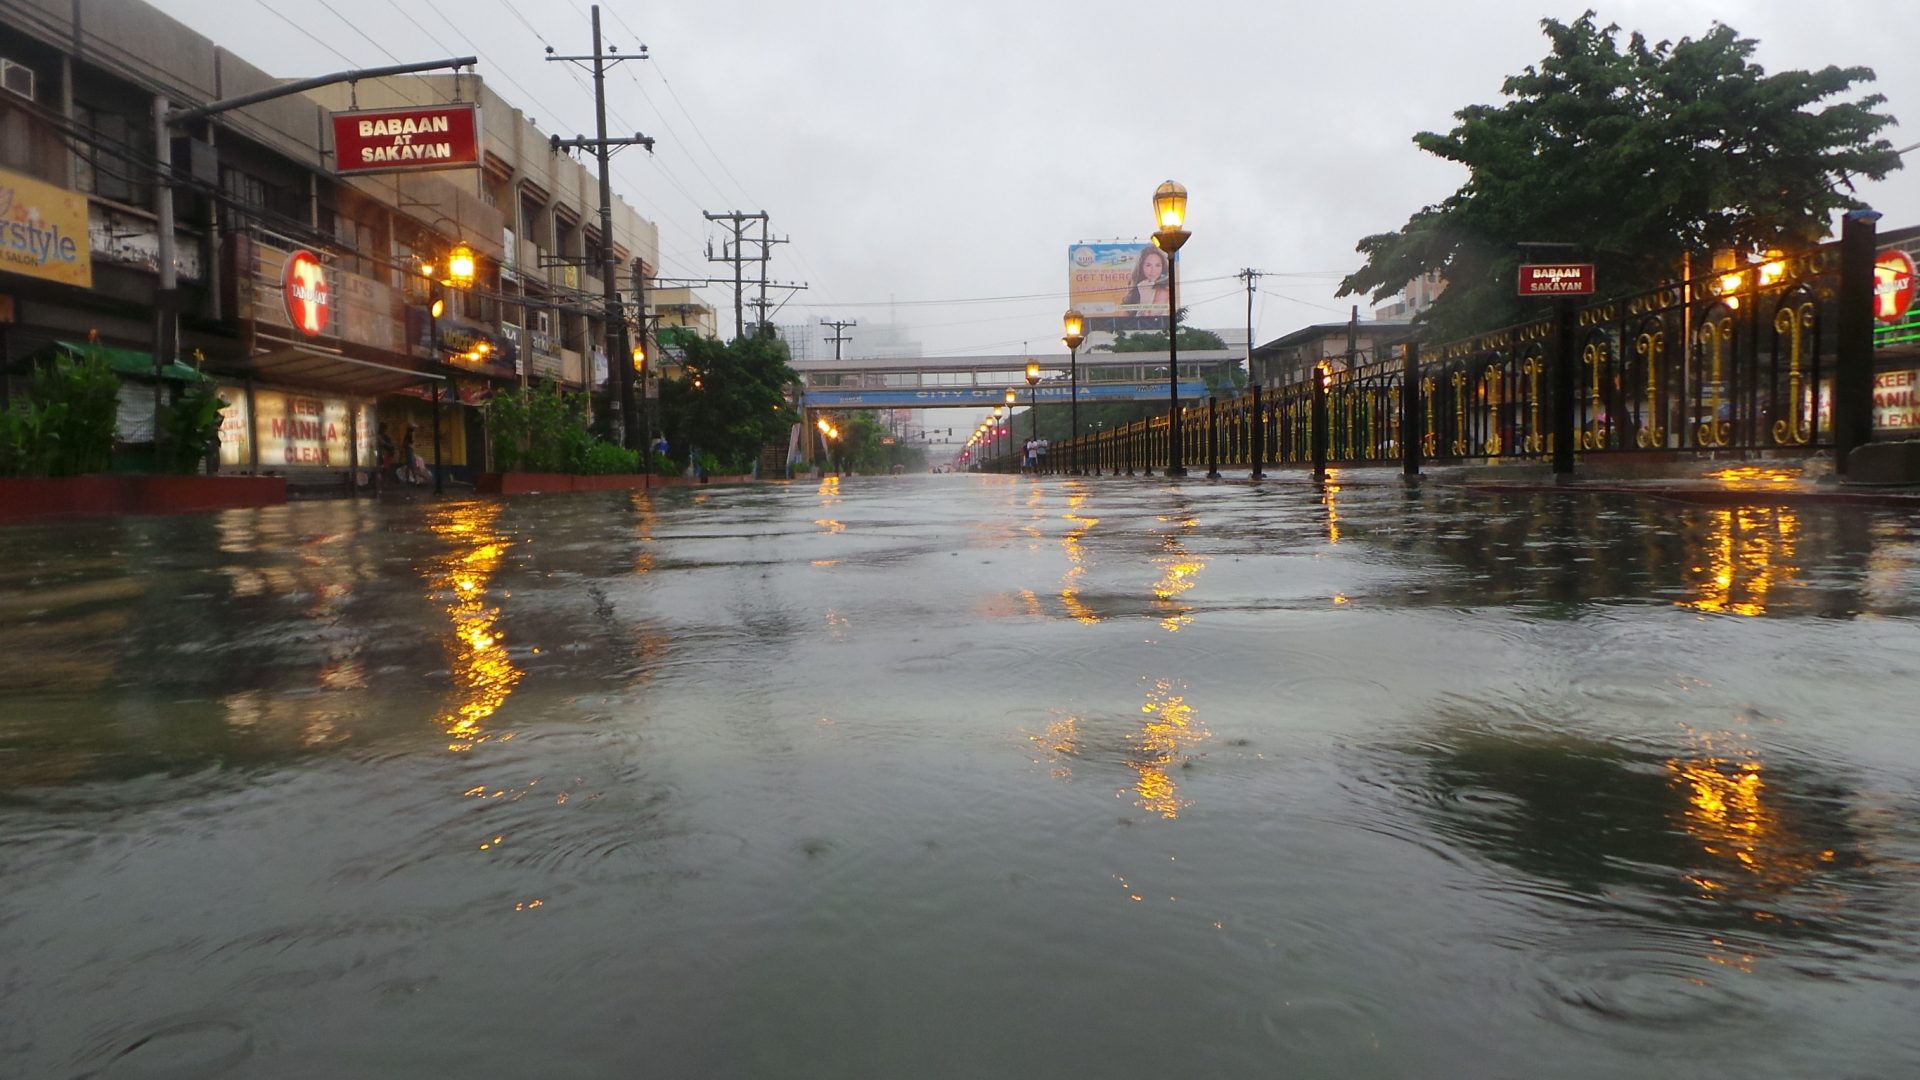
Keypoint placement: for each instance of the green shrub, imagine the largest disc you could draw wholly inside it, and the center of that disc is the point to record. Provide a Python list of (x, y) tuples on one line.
[(191, 427), (28, 439), (540, 429), (66, 426), (604, 458), (79, 400)]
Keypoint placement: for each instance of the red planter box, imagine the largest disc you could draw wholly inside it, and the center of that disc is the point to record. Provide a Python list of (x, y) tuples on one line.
[(35, 498)]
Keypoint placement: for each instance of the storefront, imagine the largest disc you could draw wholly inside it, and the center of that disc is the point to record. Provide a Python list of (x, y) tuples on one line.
[(1896, 337), (324, 349)]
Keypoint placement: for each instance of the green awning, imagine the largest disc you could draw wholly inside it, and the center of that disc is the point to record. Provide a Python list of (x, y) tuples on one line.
[(131, 362)]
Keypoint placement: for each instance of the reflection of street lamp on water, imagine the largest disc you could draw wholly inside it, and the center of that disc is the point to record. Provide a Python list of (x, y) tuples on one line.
[(1169, 215)]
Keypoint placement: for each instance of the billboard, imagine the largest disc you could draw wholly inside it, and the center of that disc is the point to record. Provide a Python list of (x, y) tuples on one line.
[(43, 231), (1117, 278), (397, 140)]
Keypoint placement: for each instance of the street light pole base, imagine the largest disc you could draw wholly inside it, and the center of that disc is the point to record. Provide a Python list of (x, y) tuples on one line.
[(1176, 471)]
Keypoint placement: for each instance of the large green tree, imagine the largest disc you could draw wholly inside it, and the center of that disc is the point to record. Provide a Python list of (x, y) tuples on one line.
[(1631, 153), (730, 400)]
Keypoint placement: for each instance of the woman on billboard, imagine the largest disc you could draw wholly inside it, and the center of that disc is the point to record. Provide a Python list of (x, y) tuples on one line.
[(1148, 287)]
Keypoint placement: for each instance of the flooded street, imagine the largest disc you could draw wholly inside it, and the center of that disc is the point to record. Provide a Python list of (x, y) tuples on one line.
[(962, 776)]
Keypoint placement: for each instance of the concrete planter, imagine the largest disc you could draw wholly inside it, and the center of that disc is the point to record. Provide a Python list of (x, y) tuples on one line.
[(37, 498)]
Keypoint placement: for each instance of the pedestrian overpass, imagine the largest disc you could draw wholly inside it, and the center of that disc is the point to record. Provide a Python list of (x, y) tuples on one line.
[(981, 382)]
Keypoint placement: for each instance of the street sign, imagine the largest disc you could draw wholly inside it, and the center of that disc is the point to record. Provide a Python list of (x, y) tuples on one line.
[(1556, 279), (407, 140)]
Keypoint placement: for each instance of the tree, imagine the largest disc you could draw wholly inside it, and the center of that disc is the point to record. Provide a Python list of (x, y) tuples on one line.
[(730, 400), (1156, 340), (1631, 155), (863, 446)]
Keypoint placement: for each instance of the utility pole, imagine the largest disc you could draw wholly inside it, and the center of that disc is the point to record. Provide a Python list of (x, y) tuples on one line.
[(738, 222), (839, 333), (619, 362), (1252, 278), (766, 251)]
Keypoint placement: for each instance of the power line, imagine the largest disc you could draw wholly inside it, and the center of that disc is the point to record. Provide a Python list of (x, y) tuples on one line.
[(309, 34)]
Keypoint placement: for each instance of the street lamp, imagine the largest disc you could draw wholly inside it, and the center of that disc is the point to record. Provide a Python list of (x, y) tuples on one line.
[(1033, 407), (1074, 331), (460, 263), (434, 311), (1169, 216)]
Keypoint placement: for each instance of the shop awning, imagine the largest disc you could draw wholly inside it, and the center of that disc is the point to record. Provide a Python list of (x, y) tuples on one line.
[(297, 365), (131, 362)]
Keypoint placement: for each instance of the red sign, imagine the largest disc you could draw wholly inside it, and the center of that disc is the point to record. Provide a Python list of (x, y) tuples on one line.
[(1556, 279), (304, 285), (1892, 285), (406, 140)]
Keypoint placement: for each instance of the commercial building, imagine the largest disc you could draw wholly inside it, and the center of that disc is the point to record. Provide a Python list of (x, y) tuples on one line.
[(306, 288)]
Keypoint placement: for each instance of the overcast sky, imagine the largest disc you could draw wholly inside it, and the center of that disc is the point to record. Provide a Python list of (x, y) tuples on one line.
[(931, 163)]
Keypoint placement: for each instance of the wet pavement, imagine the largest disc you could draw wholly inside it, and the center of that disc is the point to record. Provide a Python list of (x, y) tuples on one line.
[(964, 776)]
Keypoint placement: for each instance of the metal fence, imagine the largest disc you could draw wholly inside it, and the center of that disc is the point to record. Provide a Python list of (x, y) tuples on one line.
[(1749, 362)]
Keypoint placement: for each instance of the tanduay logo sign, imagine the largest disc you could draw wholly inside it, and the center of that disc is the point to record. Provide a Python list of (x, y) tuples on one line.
[(309, 303), (1892, 285)]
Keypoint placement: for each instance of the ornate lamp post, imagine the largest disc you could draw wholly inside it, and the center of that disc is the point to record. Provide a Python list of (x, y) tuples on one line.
[(1033, 407), (1074, 332), (1169, 215)]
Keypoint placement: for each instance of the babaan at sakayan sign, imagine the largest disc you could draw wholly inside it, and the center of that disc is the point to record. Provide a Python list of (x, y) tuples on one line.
[(43, 231), (1556, 279), (407, 140)]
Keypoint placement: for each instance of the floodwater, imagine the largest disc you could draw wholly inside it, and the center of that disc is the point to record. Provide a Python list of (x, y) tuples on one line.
[(964, 776)]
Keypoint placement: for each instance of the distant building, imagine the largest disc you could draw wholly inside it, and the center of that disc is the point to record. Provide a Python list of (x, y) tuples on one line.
[(1290, 359), (1416, 298)]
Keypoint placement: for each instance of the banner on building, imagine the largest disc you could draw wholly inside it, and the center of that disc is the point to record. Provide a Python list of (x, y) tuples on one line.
[(407, 140), (43, 231), (1119, 277)]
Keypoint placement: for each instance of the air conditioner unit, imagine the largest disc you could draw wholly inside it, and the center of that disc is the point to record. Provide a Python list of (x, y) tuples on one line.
[(16, 78)]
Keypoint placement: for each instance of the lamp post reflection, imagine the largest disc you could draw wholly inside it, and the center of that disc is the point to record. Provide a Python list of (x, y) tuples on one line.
[(483, 672)]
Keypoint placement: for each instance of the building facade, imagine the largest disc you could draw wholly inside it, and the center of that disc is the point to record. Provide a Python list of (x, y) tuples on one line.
[(323, 302)]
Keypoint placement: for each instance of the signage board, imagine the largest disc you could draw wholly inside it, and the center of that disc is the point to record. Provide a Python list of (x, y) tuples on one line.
[(407, 140), (309, 300), (1115, 278), (1892, 285), (1896, 400), (43, 231), (1556, 279), (292, 430)]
